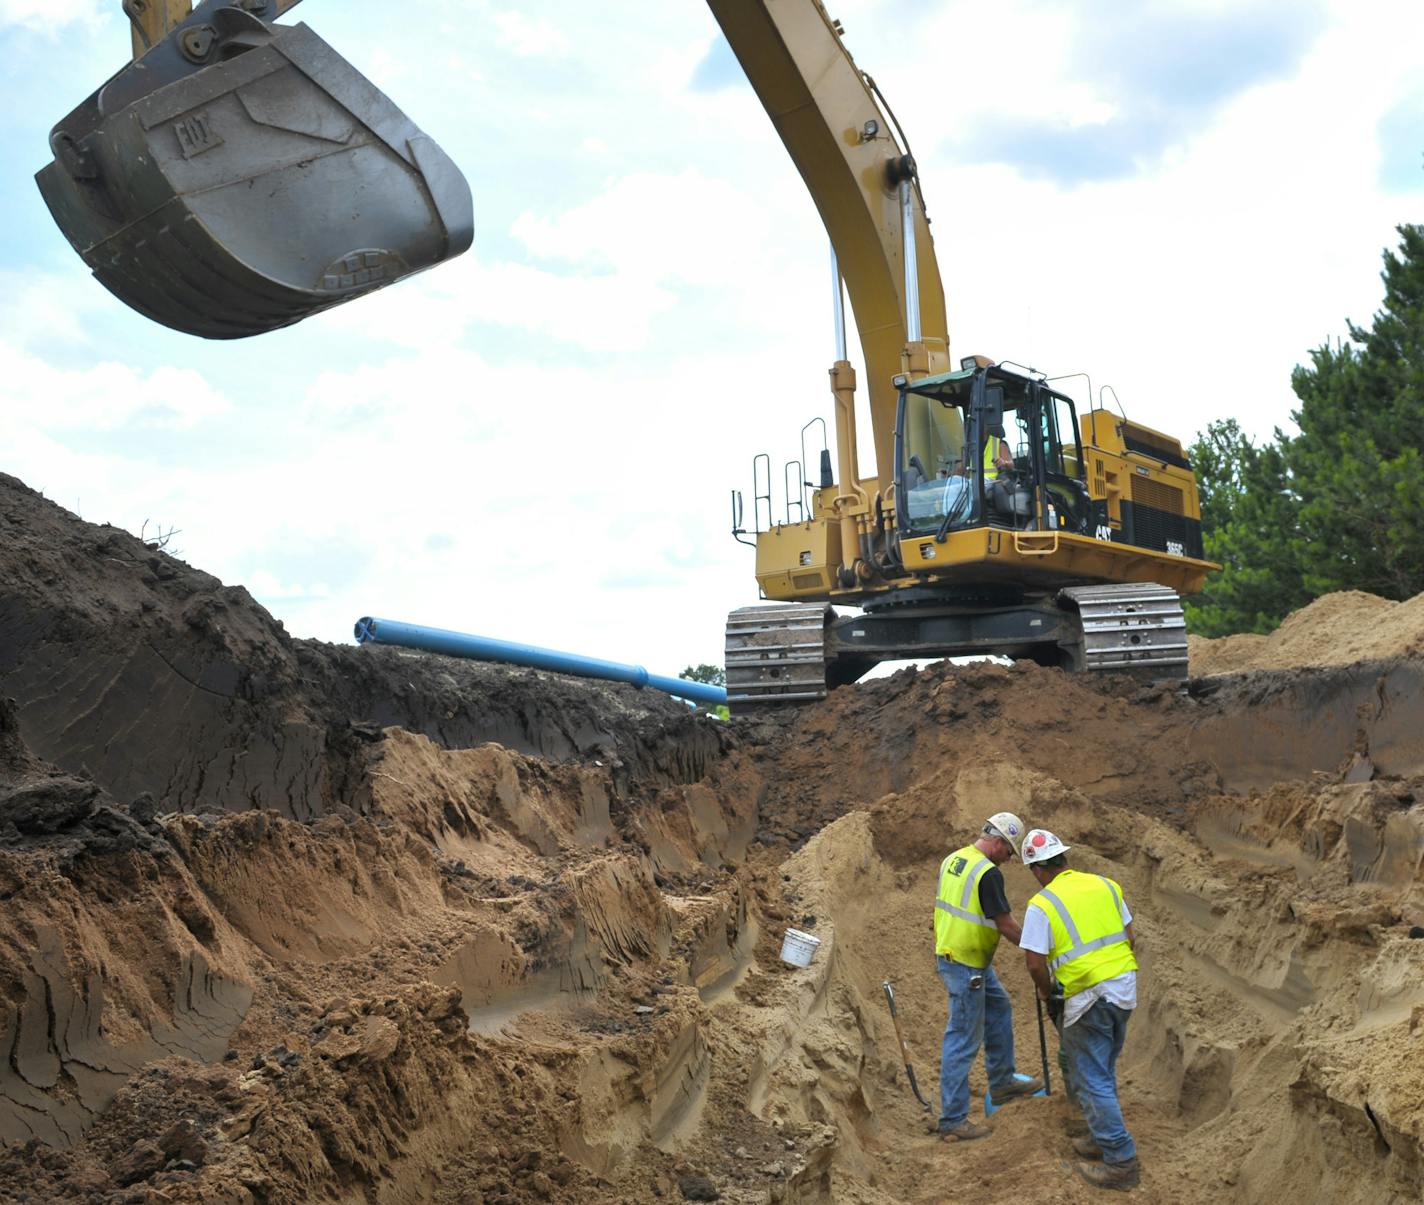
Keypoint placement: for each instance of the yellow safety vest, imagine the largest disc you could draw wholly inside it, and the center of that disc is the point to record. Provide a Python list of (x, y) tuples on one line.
[(961, 929), (1089, 941), (992, 443)]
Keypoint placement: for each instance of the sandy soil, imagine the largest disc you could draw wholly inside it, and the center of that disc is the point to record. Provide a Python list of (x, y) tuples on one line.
[(1336, 629), (284, 922)]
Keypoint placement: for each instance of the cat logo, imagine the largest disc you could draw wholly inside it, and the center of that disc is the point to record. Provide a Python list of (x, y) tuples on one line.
[(956, 868), (195, 135)]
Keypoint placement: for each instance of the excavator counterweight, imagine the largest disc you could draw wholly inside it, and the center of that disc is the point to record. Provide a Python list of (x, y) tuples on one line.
[(242, 175)]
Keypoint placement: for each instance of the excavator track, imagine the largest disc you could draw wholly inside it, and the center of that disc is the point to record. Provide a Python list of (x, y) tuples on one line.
[(1137, 627), (776, 655)]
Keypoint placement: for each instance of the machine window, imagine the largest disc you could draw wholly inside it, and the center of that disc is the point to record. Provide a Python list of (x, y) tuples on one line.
[(936, 468)]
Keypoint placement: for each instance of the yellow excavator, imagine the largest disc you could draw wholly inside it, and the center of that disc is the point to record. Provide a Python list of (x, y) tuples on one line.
[(239, 175)]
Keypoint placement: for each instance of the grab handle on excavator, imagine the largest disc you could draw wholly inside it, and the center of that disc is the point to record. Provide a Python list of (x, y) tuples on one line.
[(1035, 543)]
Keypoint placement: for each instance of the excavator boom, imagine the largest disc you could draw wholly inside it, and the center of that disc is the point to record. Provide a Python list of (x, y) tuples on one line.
[(841, 141)]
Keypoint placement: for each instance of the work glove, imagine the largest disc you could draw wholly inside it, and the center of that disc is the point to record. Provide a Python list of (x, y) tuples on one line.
[(1055, 1007)]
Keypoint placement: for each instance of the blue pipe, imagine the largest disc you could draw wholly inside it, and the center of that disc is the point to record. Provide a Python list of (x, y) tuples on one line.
[(370, 630)]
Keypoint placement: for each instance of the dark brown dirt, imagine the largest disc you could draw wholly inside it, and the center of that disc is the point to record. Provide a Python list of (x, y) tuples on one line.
[(156, 678)]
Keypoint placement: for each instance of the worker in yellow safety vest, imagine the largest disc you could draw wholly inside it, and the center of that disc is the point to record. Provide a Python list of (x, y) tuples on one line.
[(997, 456), (971, 912), (1078, 930)]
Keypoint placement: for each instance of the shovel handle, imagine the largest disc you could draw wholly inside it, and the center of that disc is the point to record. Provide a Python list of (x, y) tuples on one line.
[(1042, 1045), (900, 1037)]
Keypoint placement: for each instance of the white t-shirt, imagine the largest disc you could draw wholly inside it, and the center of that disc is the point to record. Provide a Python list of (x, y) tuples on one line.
[(1120, 989)]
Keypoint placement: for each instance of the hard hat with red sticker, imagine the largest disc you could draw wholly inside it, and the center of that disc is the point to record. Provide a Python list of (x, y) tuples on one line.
[(1040, 845)]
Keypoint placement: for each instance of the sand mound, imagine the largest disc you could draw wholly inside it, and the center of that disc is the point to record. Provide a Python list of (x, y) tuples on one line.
[(374, 927), (1336, 629)]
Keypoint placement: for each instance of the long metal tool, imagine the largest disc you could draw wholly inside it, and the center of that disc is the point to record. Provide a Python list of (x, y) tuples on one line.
[(1043, 1045), (904, 1050)]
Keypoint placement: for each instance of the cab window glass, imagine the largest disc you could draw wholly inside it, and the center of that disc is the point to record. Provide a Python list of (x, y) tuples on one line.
[(1060, 438), (937, 463)]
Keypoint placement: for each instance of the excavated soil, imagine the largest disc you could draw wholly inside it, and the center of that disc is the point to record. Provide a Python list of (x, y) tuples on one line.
[(288, 922), (1336, 629)]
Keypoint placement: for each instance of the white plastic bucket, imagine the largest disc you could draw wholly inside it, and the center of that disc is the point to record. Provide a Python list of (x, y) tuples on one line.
[(798, 948)]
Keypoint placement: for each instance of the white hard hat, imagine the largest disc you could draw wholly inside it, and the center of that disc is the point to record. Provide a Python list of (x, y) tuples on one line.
[(1005, 825), (1039, 845)]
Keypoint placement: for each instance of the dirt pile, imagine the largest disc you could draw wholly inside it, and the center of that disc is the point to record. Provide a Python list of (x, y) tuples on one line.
[(383, 928), (157, 678), (1336, 629)]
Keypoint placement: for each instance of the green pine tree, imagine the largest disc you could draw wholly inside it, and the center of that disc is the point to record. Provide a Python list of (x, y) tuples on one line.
[(1357, 456), (1339, 506), (1249, 526)]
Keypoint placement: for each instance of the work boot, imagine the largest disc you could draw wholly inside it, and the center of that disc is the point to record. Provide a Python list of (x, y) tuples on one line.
[(965, 1131), (1110, 1175), (1086, 1147), (1015, 1088), (1076, 1127)]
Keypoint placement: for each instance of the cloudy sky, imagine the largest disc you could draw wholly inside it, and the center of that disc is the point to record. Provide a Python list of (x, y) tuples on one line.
[(538, 440)]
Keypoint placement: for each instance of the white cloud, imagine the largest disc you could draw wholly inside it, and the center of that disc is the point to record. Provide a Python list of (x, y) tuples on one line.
[(648, 226), (50, 16), (607, 310), (265, 585), (39, 306), (526, 35), (106, 396)]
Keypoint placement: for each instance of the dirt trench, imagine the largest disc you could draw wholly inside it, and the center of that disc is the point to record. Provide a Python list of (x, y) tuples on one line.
[(396, 929)]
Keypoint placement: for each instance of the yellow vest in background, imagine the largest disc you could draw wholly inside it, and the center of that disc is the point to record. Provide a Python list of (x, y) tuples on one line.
[(1089, 941), (961, 929), (992, 444)]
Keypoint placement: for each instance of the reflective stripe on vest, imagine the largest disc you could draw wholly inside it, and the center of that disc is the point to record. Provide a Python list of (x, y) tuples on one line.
[(1080, 962), (971, 882), (964, 932)]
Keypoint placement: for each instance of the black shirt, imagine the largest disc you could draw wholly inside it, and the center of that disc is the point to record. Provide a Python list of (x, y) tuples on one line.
[(991, 893)]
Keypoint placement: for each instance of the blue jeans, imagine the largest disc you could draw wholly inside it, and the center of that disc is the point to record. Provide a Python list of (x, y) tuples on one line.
[(1093, 1043), (977, 1016)]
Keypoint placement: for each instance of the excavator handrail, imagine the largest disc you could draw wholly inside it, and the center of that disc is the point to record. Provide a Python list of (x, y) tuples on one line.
[(1024, 543)]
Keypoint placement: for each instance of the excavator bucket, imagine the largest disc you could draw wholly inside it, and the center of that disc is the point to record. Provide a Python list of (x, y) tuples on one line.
[(242, 175)]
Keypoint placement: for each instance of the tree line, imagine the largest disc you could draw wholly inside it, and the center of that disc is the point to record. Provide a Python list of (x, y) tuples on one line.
[(1340, 504)]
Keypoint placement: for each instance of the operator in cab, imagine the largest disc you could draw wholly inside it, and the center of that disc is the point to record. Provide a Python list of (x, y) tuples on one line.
[(971, 913), (997, 457)]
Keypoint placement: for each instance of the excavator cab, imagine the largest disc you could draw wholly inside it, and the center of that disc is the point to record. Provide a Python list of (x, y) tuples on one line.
[(986, 446), (242, 175)]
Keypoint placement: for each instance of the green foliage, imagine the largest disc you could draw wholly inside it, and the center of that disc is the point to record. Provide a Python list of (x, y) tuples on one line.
[(1249, 527), (1340, 506), (1358, 453), (714, 675)]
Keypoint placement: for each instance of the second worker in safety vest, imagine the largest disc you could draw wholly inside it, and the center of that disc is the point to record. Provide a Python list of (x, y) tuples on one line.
[(971, 912), (1078, 930)]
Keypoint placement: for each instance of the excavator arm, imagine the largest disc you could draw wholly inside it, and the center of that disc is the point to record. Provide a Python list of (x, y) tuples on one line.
[(841, 142)]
